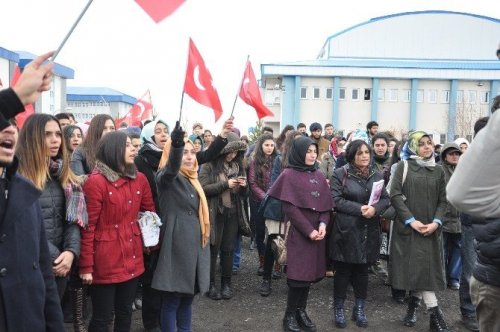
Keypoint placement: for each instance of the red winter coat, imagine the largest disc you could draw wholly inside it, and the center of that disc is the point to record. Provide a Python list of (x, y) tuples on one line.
[(112, 247)]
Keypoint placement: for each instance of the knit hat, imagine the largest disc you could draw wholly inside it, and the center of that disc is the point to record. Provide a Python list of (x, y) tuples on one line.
[(315, 126)]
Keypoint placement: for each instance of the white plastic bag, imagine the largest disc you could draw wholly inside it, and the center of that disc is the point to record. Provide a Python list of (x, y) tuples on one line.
[(150, 223)]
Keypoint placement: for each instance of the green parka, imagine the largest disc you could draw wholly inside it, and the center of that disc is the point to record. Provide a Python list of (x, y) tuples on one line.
[(416, 261)]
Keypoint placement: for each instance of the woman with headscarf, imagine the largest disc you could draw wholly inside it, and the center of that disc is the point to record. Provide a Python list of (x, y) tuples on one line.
[(329, 159), (307, 204), (224, 183), (183, 268), (418, 195), (355, 237)]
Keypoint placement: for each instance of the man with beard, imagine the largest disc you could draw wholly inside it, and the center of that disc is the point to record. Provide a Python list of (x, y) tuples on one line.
[(28, 296), (323, 144), (371, 129)]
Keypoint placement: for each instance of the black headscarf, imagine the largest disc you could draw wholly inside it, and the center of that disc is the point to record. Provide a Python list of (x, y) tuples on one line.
[(297, 156)]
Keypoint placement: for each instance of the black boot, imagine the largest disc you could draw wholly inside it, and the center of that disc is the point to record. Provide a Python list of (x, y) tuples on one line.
[(226, 290), (290, 323), (437, 323), (358, 313), (338, 307), (398, 295), (77, 302), (304, 321), (213, 292), (265, 288), (411, 313)]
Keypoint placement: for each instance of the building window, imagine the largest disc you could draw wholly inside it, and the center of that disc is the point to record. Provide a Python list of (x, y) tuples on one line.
[(485, 97), (432, 96), (303, 93), (472, 97), (368, 94), (420, 96), (392, 95), (445, 96), (381, 93), (355, 94), (442, 138), (342, 93), (405, 95), (460, 96), (329, 93), (316, 93)]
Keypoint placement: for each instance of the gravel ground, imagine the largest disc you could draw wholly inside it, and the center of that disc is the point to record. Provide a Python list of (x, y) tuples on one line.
[(248, 311)]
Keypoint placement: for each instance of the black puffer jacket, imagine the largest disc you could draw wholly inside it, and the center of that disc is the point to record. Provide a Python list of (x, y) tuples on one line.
[(487, 234), (60, 235)]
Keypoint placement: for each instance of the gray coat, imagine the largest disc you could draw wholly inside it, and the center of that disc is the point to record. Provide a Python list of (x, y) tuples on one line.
[(451, 221), (183, 265), (416, 261)]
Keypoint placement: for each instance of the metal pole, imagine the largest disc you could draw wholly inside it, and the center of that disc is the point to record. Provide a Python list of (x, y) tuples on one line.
[(182, 101), (71, 30), (237, 93)]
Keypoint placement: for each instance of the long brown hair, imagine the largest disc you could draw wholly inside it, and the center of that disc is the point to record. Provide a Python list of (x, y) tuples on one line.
[(34, 156), (285, 148), (262, 163), (94, 134)]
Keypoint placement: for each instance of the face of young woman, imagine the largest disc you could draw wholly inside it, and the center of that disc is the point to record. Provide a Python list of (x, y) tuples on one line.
[(380, 147), (75, 139), (362, 158), (53, 137), (311, 155), (130, 152), (230, 156), (161, 135), (197, 145), (108, 127), (425, 147), (391, 147), (189, 156), (268, 147)]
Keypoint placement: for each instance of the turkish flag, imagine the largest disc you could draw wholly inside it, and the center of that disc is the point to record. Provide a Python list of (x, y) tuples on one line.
[(159, 9), (250, 93), (141, 111), (28, 109), (198, 82)]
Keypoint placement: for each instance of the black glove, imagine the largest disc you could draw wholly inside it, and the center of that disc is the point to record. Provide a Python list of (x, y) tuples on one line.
[(177, 136)]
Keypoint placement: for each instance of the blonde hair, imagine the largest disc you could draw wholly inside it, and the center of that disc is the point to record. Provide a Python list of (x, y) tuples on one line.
[(34, 157)]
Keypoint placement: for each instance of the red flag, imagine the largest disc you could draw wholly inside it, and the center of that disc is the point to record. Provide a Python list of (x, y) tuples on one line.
[(250, 93), (159, 9), (141, 111), (28, 109), (198, 82)]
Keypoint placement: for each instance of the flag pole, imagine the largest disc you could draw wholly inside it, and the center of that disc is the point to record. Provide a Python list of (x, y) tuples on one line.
[(182, 101), (237, 93), (71, 30)]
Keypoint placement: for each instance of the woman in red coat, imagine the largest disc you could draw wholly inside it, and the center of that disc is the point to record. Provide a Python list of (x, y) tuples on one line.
[(111, 257)]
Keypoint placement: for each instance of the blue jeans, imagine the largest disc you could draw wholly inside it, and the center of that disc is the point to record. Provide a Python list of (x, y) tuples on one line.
[(237, 253), (176, 312), (469, 257), (452, 255)]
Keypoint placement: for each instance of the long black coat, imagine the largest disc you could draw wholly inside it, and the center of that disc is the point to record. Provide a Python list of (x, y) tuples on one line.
[(355, 239), (28, 290)]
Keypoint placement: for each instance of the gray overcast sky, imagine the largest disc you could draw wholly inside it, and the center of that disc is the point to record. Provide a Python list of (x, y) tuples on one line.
[(117, 45)]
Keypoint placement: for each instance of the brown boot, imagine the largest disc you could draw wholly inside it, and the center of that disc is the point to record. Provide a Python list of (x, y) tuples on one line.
[(260, 270), (77, 301)]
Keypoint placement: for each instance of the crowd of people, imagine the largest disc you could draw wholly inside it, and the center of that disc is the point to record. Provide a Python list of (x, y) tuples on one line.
[(347, 206)]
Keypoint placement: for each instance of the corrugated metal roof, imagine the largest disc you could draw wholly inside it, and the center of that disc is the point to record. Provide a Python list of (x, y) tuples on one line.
[(59, 70), (75, 93), (395, 63)]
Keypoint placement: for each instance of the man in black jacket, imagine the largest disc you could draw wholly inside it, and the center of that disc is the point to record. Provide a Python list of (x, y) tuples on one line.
[(28, 294)]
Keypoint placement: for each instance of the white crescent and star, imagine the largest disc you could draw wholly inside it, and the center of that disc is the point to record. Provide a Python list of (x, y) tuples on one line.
[(196, 78), (142, 107)]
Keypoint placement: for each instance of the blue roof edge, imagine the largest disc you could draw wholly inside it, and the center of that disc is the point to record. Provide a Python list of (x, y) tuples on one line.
[(9, 55), (59, 70)]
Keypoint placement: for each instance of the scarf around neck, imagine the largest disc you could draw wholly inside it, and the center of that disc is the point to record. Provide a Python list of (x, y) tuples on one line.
[(360, 172), (76, 208)]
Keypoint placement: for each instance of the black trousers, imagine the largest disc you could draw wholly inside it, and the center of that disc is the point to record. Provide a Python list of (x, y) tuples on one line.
[(297, 297), (225, 236), (269, 257), (355, 274), (112, 297)]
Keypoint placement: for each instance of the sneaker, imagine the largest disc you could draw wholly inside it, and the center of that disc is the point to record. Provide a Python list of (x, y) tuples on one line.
[(454, 286)]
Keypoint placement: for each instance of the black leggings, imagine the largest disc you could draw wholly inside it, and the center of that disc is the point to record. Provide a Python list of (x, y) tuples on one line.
[(269, 257), (355, 274), (225, 237)]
